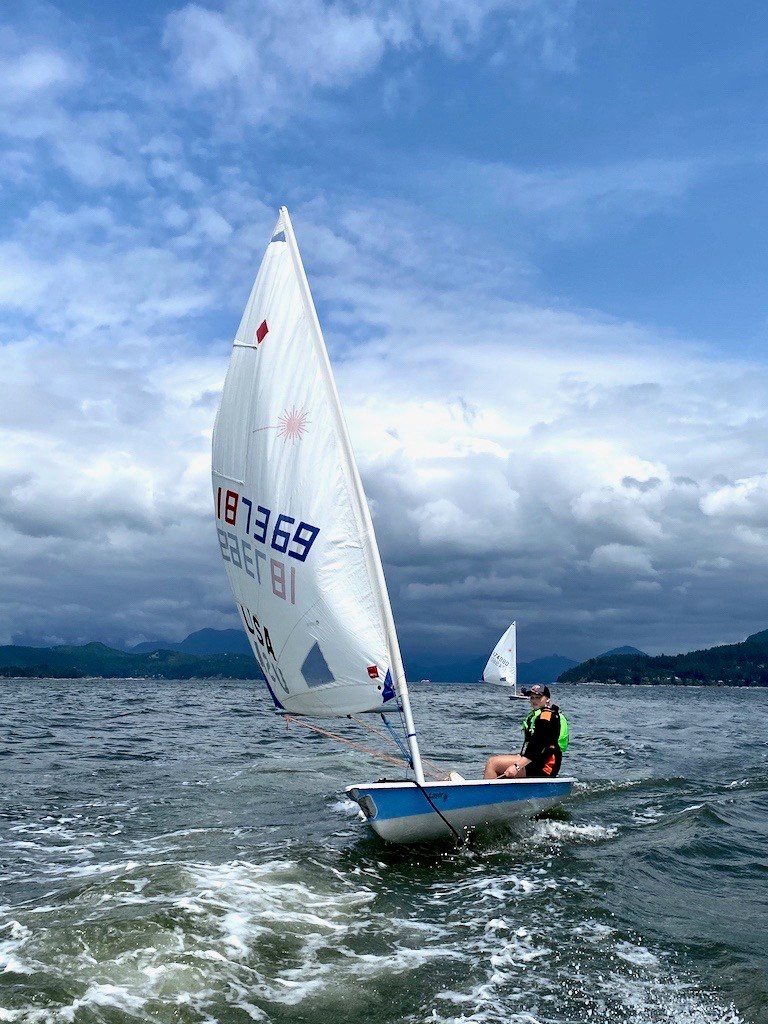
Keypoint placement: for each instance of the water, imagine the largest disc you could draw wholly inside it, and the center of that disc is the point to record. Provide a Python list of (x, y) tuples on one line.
[(170, 852)]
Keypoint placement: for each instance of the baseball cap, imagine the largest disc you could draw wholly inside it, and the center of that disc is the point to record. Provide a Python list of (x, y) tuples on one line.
[(535, 691)]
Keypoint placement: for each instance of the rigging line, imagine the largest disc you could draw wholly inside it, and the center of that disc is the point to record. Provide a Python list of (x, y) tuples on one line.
[(289, 719), (440, 776), (459, 840), (358, 746), (384, 757), (381, 735), (437, 773), (394, 736)]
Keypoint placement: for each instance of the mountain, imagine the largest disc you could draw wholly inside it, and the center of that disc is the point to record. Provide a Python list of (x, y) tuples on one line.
[(543, 670), (744, 664), (225, 653), (98, 660), (204, 641), (452, 670), (549, 669), (622, 650), (204, 650)]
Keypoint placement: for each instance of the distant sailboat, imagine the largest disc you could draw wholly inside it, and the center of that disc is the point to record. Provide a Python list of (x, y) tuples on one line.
[(299, 549), (501, 667)]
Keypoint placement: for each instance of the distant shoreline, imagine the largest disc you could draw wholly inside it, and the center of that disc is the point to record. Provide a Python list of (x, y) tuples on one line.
[(6, 677)]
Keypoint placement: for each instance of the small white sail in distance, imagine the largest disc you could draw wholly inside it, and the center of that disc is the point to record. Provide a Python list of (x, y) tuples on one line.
[(293, 523), (502, 664)]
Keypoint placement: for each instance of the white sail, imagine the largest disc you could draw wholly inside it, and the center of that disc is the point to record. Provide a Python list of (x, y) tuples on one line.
[(502, 664), (293, 523)]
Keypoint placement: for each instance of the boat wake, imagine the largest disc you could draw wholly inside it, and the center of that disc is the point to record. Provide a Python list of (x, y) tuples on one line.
[(487, 935)]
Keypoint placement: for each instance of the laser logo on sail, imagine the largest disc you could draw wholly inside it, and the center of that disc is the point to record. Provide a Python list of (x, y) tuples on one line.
[(293, 424)]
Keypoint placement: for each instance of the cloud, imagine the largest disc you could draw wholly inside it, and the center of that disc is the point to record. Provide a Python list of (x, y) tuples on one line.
[(569, 200), (641, 184), (521, 461), (597, 481), (44, 93), (621, 558), (35, 75), (266, 61), (744, 502), (524, 444), (144, 284)]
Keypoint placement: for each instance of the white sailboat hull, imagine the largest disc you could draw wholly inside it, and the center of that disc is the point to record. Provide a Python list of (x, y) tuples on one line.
[(403, 812)]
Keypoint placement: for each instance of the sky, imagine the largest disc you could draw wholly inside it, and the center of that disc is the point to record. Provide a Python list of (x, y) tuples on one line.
[(534, 230)]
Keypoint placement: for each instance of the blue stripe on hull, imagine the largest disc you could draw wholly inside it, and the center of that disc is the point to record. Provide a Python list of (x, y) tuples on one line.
[(400, 812)]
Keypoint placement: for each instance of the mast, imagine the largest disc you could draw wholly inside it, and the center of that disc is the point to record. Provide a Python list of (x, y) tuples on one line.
[(513, 656), (360, 506)]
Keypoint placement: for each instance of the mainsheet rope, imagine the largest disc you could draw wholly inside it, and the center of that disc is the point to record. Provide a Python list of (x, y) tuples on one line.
[(400, 762)]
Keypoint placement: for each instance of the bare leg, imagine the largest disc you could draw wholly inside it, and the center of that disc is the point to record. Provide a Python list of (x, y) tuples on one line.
[(511, 766)]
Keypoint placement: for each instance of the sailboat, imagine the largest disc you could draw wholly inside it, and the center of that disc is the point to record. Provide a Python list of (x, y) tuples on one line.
[(298, 546), (501, 667)]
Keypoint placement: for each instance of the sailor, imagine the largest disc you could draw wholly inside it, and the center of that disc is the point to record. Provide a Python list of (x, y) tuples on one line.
[(545, 738)]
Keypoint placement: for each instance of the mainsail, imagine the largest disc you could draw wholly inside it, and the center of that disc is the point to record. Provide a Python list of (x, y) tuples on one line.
[(294, 528), (502, 664)]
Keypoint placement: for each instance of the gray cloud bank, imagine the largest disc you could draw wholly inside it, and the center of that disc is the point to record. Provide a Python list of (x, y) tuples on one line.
[(599, 482), (596, 483)]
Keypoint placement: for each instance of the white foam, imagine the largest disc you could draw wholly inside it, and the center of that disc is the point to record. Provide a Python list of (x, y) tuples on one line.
[(210, 954), (245, 907), (89, 870), (588, 970), (593, 931), (11, 965), (346, 807), (17, 935), (638, 955), (519, 948), (648, 815), (498, 889), (286, 935), (107, 996), (565, 830)]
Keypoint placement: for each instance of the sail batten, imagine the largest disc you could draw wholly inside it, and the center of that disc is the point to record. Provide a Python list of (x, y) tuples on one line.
[(293, 524)]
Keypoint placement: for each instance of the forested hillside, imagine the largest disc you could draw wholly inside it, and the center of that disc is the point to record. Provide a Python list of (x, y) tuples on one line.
[(98, 660), (744, 664)]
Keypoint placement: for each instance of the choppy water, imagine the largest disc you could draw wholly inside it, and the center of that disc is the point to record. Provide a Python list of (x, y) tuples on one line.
[(170, 852)]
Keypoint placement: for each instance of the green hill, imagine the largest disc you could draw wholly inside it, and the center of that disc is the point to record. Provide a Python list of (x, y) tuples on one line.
[(622, 650), (203, 641), (98, 660), (744, 664)]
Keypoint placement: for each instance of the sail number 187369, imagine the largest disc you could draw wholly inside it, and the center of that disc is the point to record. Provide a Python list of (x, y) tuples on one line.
[(236, 510)]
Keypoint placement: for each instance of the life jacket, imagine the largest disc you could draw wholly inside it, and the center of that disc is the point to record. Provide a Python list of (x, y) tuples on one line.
[(529, 724), (564, 738)]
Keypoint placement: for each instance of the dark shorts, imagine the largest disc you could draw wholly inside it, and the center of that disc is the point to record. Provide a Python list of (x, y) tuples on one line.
[(547, 768)]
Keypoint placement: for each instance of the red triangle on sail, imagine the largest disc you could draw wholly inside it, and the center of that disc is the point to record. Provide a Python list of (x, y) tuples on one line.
[(262, 332)]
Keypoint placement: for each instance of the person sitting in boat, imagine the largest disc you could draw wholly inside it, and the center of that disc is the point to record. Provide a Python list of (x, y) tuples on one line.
[(545, 738)]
